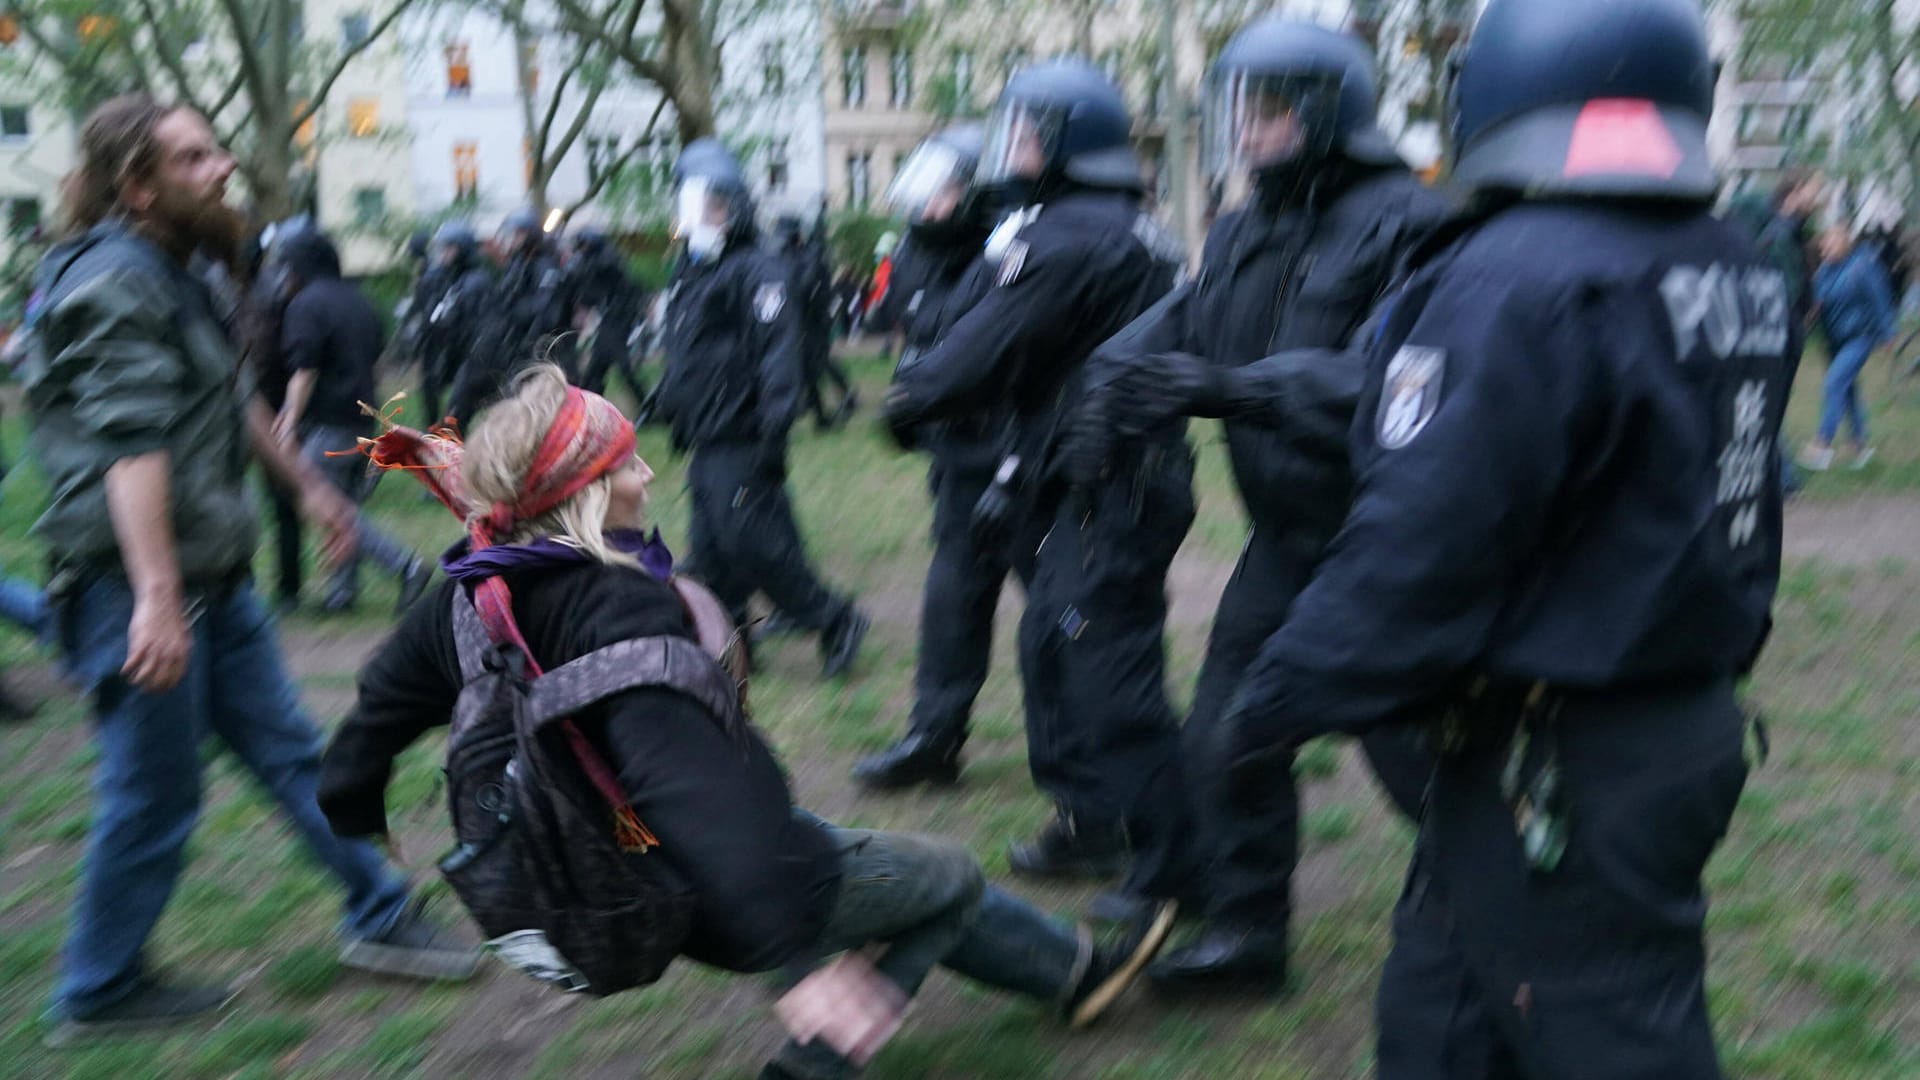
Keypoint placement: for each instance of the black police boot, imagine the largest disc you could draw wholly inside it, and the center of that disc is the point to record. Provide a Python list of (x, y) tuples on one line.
[(920, 758), (1061, 851), (1226, 957), (841, 642)]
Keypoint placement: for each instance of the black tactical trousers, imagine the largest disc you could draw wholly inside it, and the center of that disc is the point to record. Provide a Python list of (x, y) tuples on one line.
[(1595, 968), (744, 539), (481, 380), (610, 357), (818, 364), (433, 390), (1100, 733), (1245, 848), (963, 591)]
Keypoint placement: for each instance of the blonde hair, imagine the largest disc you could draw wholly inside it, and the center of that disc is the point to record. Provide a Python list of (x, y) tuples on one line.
[(501, 449)]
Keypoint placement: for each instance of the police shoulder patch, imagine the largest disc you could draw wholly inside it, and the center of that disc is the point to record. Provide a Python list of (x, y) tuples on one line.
[(768, 301), (1410, 395), (1012, 263)]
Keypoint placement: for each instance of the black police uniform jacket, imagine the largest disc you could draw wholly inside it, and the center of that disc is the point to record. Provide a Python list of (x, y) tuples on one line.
[(1277, 278), (1566, 472), (733, 373)]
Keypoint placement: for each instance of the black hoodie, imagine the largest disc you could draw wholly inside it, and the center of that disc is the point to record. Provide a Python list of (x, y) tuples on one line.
[(331, 330)]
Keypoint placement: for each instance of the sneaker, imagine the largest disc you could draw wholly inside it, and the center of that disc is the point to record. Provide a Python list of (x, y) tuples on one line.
[(1816, 459), (1116, 966), (414, 948), (413, 584), (1861, 458), (1062, 852), (152, 1004), (841, 643)]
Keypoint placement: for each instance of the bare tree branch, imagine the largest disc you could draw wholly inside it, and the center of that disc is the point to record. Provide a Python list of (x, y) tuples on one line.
[(599, 183), (170, 54), (340, 65), (553, 106), (247, 46)]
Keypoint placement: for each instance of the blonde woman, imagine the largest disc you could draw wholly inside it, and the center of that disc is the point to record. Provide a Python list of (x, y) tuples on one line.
[(550, 482)]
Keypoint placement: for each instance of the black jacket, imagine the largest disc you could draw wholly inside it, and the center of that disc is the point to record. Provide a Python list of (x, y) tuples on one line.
[(722, 811), (332, 330), (1082, 268), (940, 283), (733, 365), (1278, 279)]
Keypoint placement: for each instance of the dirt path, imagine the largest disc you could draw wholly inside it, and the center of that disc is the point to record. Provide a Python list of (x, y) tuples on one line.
[(1861, 531)]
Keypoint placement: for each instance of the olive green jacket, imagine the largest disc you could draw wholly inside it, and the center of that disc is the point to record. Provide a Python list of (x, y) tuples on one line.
[(128, 358)]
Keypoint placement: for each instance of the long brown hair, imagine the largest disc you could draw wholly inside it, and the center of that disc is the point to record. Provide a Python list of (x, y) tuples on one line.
[(117, 144)]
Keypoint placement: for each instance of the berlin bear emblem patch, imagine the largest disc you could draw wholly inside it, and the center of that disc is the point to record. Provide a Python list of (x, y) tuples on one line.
[(768, 300), (1411, 394)]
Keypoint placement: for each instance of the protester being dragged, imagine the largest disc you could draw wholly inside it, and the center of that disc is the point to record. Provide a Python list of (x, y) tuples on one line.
[(1856, 311), (556, 569)]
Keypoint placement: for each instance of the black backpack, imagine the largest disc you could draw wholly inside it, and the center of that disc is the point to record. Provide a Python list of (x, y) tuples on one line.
[(552, 863)]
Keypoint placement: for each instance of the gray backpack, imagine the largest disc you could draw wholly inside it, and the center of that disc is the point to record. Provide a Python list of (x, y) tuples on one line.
[(565, 880)]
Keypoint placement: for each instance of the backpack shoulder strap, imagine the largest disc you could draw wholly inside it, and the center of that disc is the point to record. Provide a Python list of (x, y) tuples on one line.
[(668, 663), (469, 637)]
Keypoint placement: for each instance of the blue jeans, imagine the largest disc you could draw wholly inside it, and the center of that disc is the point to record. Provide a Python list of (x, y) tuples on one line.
[(927, 900), (147, 784), (24, 605), (331, 450), (1841, 397)]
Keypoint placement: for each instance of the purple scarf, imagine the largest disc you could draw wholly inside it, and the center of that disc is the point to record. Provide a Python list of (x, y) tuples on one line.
[(469, 568)]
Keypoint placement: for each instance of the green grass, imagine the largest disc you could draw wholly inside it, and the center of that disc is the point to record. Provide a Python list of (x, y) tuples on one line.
[(1815, 929)]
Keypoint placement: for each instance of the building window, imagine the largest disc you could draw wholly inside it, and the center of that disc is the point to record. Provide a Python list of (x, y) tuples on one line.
[(459, 71), (363, 117), (9, 31), (23, 215), (466, 171), (900, 67), (963, 76), (853, 77), (859, 179), (777, 165), (369, 205), (773, 71), (96, 28), (15, 122), (355, 29)]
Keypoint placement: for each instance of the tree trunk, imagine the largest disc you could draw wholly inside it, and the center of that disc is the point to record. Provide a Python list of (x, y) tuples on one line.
[(536, 150)]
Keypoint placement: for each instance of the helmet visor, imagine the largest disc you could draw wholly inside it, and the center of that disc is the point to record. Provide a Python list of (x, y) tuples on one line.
[(929, 185), (1256, 121), (697, 202), (1021, 139)]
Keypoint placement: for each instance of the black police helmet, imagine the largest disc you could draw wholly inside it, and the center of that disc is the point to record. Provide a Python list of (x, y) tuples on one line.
[(1586, 97), (1310, 59), (1084, 128), (524, 219), (708, 160), (419, 243), (945, 160)]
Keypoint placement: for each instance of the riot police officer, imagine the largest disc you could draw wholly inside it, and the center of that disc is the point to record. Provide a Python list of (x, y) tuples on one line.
[(1562, 551), (1330, 212), (536, 305), (730, 394), (947, 226), (599, 282), (458, 321), (1077, 262), (428, 284)]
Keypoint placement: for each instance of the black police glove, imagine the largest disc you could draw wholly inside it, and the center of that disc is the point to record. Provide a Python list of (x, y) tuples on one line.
[(1086, 447), (900, 419), (993, 515), (1150, 390)]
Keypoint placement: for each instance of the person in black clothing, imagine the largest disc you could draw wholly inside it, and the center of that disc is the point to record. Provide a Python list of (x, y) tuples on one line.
[(598, 282), (730, 394), (460, 321), (429, 284), (1074, 266), (536, 302), (1561, 556), (1331, 212), (257, 334), (811, 292), (774, 885), (330, 337), (947, 229)]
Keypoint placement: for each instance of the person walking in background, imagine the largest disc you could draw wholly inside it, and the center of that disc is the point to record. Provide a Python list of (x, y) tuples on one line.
[(1854, 305), (330, 338)]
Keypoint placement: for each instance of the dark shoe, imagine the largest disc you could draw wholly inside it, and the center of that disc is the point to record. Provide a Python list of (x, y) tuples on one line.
[(777, 624), (413, 584), (773, 1071), (916, 759), (1062, 852), (15, 707), (841, 643), (414, 948), (151, 1005), (848, 406), (1226, 958), (1115, 966)]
